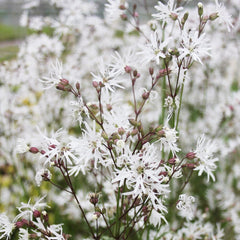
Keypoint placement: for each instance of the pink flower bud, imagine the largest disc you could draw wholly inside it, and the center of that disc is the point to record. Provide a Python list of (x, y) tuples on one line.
[(95, 84), (127, 69), (151, 71), (190, 155), (145, 95), (122, 7), (36, 213), (33, 150), (64, 82), (123, 17), (172, 161), (135, 73)]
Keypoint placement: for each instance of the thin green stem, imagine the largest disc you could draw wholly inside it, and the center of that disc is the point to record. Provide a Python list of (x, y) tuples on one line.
[(180, 102)]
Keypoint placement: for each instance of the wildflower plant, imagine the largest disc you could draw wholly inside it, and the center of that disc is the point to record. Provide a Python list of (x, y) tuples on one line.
[(117, 148)]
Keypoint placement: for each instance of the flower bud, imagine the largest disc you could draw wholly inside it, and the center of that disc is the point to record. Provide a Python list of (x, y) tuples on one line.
[(200, 9), (109, 107), (121, 131), (64, 82), (213, 16), (122, 7), (173, 16), (190, 155), (134, 132), (33, 150), (127, 69), (94, 198), (133, 122), (95, 84), (190, 165), (123, 17), (145, 95), (172, 161), (151, 71), (36, 213), (135, 73), (78, 86)]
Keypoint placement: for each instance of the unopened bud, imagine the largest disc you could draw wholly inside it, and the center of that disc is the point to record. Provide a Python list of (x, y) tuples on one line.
[(127, 69), (145, 95), (135, 73), (19, 224), (60, 87), (172, 161), (133, 122), (136, 14), (104, 210), (122, 7), (190, 165), (94, 198), (109, 107), (151, 71), (95, 84), (33, 150), (213, 16), (78, 86), (121, 131), (36, 213), (173, 16), (190, 155), (123, 17), (64, 82), (200, 9), (134, 132)]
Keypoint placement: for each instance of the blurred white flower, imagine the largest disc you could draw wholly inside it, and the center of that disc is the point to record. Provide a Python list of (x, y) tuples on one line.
[(22, 146), (185, 205), (142, 174), (6, 227), (107, 77), (169, 140), (154, 50), (166, 12), (113, 10), (23, 234), (194, 46), (26, 210), (41, 175), (55, 75), (204, 151), (223, 15)]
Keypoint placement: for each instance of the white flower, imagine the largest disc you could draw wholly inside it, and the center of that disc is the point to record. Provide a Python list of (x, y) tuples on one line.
[(56, 232), (185, 206), (153, 50), (166, 11), (23, 234), (156, 218), (55, 75), (112, 9), (6, 227), (169, 140), (204, 152), (107, 77), (223, 15), (41, 175), (193, 46), (26, 209), (22, 146), (142, 174), (56, 147)]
